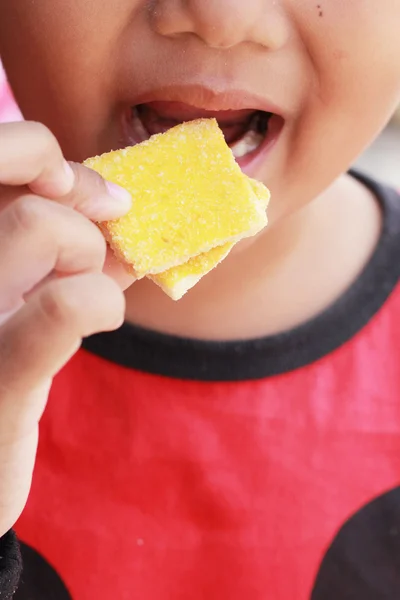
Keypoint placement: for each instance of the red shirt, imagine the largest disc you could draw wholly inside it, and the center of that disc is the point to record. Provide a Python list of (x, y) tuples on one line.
[(171, 469)]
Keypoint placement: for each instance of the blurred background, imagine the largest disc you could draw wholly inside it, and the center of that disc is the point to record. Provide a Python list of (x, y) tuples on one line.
[(381, 160)]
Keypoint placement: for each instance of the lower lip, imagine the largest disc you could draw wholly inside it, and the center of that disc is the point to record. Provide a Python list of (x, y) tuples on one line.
[(251, 163)]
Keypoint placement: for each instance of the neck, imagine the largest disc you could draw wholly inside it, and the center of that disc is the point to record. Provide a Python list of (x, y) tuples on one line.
[(285, 277)]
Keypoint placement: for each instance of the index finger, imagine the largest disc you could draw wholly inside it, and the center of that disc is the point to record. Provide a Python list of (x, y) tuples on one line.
[(30, 155)]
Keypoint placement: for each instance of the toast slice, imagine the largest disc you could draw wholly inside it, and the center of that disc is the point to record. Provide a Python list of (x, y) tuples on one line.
[(189, 196), (175, 282)]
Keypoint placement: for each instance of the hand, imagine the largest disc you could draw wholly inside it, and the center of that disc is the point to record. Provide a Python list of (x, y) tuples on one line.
[(53, 291)]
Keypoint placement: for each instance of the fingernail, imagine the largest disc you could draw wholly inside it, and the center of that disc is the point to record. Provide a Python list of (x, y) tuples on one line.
[(120, 194)]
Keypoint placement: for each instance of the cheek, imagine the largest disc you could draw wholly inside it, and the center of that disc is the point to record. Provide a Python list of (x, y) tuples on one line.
[(60, 58), (354, 54)]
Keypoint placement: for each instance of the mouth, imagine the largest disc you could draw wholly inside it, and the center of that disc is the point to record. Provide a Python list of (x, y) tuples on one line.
[(249, 132)]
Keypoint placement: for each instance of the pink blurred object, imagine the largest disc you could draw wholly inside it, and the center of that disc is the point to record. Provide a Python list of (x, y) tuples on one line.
[(8, 108)]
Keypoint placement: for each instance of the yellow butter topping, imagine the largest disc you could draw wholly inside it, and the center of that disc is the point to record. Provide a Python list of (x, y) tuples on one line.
[(189, 196), (178, 280)]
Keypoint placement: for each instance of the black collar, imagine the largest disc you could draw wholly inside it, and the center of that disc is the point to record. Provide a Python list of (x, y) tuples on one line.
[(170, 356)]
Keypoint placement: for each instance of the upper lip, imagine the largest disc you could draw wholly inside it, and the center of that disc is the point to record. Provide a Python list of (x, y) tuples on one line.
[(212, 98)]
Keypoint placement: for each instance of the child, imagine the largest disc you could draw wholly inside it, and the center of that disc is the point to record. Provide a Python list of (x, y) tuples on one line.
[(243, 443)]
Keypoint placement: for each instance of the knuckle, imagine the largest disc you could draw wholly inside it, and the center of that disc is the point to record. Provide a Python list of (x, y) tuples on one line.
[(99, 241), (88, 240), (115, 294), (56, 304), (91, 244), (26, 212), (81, 307), (42, 135), (117, 300), (109, 300)]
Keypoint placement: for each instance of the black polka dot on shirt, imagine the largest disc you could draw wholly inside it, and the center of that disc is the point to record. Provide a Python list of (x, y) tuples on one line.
[(363, 562), (39, 579)]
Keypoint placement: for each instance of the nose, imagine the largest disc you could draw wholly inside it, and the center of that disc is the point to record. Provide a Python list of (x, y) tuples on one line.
[(224, 23)]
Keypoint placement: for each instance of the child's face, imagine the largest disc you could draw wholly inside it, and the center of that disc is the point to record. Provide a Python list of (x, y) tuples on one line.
[(329, 68)]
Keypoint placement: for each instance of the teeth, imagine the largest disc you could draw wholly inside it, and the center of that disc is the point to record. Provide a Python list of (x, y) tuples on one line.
[(248, 143)]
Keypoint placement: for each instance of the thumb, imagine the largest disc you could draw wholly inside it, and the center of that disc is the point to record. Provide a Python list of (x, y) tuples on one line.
[(94, 197)]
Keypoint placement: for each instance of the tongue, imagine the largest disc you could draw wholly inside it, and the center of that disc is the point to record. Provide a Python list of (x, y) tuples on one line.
[(158, 117)]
